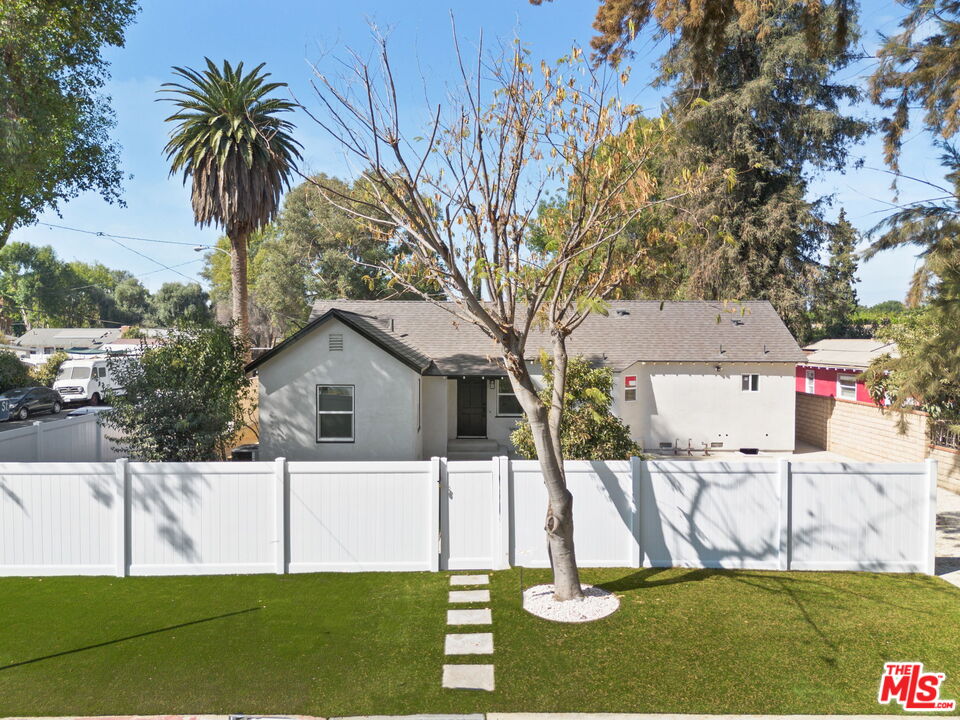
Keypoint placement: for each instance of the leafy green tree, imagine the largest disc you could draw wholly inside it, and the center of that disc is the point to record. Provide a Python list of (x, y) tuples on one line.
[(176, 303), (54, 119), (13, 372), (588, 429), (46, 373), (344, 253), (119, 298), (316, 249), (132, 300), (926, 375), (835, 298), (888, 307), (37, 289), (237, 151), (183, 399), (279, 297)]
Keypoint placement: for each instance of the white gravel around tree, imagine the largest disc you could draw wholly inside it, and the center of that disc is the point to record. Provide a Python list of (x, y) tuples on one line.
[(596, 603)]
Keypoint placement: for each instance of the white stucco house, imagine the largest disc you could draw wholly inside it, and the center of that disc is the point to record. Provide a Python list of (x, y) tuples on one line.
[(405, 380)]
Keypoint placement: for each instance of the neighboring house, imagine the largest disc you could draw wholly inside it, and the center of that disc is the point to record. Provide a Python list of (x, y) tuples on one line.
[(37, 345), (834, 368), (835, 412), (398, 380)]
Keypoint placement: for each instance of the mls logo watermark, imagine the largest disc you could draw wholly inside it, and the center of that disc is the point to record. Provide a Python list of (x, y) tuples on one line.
[(915, 690)]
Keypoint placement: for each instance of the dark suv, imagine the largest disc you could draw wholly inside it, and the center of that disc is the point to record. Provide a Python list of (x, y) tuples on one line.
[(24, 402)]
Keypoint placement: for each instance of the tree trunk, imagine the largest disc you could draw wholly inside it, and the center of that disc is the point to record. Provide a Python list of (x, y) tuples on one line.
[(5, 231), (238, 280), (546, 438)]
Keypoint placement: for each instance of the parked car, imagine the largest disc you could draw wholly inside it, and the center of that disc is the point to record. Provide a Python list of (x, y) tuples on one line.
[(84, 381), (23, 402)]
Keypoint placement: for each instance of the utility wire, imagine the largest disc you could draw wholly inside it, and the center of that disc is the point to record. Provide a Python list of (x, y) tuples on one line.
[(147, 257), (111, 236)]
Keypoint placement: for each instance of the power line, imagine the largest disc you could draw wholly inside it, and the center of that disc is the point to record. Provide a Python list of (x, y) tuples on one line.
[(140, 275), (111, 236), (147, 257)]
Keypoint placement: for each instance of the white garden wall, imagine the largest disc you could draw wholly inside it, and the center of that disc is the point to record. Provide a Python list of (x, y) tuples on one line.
[(79, 439), (205, 518)]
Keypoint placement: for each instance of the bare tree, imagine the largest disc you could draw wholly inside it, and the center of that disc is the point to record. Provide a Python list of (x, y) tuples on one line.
[(465, 197)]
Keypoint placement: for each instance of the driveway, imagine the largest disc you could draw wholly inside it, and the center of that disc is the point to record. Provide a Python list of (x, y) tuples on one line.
[(948, 536)]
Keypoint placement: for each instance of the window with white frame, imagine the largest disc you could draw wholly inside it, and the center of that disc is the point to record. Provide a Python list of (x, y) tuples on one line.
[(811, 381), (847, 387), (507, 403), (334, 413), (750, 383)]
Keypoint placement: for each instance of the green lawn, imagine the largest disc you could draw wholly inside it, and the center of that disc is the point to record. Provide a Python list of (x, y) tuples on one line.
[(692, 641)]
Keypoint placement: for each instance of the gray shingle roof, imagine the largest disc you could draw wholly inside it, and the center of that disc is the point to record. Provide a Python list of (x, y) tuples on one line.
[(634, 330), (68, 337), (846, 352)]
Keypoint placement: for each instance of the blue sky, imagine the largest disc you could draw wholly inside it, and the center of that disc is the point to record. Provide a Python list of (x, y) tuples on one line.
[(290, 34)]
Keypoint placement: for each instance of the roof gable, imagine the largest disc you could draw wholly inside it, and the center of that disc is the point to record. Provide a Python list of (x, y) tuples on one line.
[(378, 336)]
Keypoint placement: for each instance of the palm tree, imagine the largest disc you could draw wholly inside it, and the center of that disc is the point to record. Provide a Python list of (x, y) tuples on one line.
[(238, 154)]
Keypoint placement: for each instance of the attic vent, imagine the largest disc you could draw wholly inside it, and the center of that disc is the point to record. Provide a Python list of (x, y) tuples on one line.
[(621, 313), (716, 444), (336, 342), (666, 445)]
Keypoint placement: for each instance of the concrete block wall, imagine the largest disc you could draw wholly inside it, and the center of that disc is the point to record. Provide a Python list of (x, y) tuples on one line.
[(864, 432)]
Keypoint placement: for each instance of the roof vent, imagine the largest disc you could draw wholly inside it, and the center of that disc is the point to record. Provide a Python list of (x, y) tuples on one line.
[(737, 321), (336, 342), (621, 313)]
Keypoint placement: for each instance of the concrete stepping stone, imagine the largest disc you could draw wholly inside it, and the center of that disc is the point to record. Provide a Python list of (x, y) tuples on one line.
[(469, 617), (469, 596), (468, 677), (468, 644), (469, 579)]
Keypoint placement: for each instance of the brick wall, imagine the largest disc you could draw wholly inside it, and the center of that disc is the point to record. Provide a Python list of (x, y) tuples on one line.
[(863, 432), (948, 467)]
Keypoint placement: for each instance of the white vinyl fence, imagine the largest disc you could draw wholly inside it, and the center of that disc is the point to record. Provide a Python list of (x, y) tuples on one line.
[(127, 518), (76, 439)]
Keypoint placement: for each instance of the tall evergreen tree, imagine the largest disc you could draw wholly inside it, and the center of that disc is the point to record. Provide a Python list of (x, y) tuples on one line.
[(770, 112), (835, 299)]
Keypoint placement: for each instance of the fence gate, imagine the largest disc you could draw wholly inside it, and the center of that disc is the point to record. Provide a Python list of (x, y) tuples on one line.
[(474, 533)]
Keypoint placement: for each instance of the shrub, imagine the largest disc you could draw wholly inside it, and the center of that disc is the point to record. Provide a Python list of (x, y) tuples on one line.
[(45, 374), (589, 430), (13, 372), (182, 399)]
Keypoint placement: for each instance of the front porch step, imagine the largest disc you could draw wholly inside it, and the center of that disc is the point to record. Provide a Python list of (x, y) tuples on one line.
[(472, 456), (472, 449)]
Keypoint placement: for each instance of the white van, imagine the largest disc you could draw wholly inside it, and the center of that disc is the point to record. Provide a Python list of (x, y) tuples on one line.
[(83, 381)]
